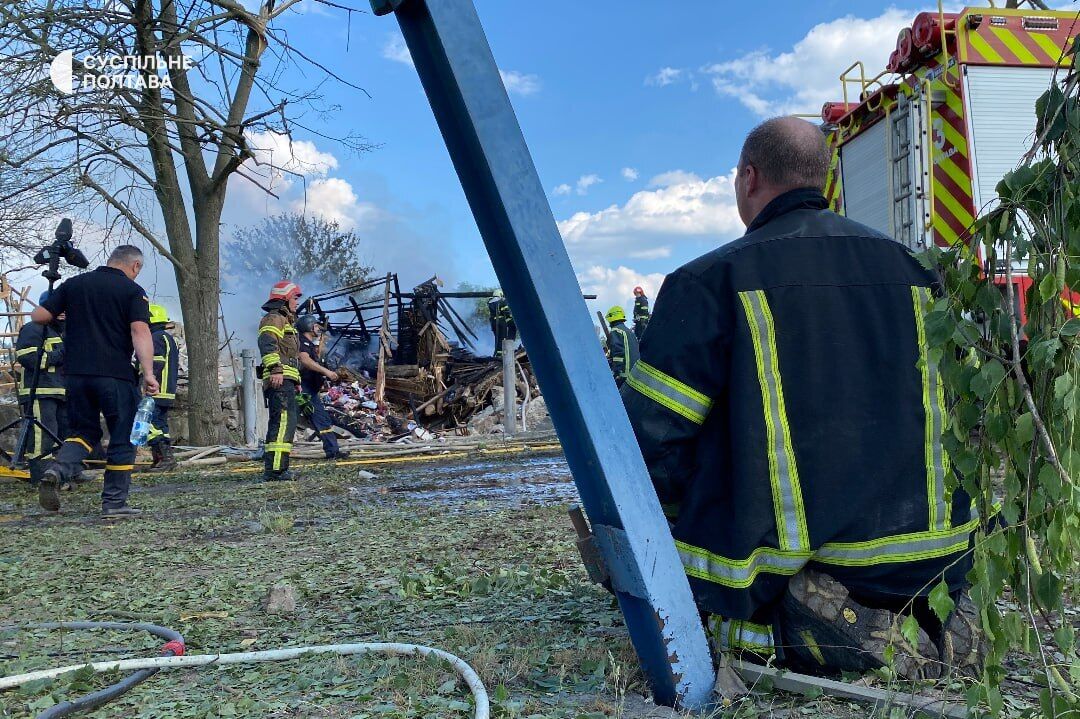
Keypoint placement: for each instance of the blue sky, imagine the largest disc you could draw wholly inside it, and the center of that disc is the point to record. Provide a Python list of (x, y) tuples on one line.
[(634, 112)]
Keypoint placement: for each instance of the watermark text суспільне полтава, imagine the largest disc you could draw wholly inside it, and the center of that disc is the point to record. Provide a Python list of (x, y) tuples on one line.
[(115, 72)]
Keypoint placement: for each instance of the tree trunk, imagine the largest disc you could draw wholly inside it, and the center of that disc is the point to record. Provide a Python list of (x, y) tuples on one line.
[(199, 293), (198, 301)]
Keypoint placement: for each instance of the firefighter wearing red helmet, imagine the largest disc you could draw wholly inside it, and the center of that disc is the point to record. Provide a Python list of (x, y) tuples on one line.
[(279, 345), (641, 312)]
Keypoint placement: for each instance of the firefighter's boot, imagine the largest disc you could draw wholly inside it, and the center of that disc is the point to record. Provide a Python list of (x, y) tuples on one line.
[(826, 631), (963, 644), (155, 455), (165, 461)]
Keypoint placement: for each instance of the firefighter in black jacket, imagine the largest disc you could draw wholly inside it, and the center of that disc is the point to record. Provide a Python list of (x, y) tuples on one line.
[(312, 376), (166, 368), (279, 346), (502, 322), (641, 312), (792, 427), (49, 405), (622, 346)]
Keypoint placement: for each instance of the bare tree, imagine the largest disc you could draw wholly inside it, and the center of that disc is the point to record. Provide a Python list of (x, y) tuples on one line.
[(156, 148)]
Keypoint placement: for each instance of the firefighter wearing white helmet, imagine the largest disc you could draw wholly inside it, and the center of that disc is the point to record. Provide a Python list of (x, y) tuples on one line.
[(622, 346)]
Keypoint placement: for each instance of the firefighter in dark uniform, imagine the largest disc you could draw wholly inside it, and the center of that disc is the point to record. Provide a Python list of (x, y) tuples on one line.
[(792, 425), (39, 350), (280, 349), (108, 318), (641, 312), (312, 376), (502, 322), (166, 368), (622, 345)]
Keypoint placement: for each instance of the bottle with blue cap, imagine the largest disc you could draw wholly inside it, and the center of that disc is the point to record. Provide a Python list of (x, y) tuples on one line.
[(140, 430)]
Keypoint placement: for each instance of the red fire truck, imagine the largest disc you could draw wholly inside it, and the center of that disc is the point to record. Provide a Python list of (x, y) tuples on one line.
[(919, 148)]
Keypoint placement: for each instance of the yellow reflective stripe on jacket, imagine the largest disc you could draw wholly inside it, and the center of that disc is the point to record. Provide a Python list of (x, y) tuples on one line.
[(739, 574), (271, 359), (164, 381), (290, 372), (278, 332), (665, 390), (26, 351), (901, 548), (933, 394), (51, 342), (783, 470), (42, 391), (911, 547)]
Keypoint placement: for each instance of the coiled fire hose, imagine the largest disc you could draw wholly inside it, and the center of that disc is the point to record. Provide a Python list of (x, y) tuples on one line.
[(178, 660), (174, 647)]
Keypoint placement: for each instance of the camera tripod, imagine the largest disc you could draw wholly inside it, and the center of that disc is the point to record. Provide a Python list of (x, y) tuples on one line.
[(27, 422)]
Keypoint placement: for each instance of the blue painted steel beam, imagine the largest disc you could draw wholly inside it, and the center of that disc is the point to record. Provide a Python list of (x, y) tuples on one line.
[(462, 82)]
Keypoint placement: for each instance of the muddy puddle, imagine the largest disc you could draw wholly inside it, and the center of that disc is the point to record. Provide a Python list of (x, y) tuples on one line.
[(521, 480)]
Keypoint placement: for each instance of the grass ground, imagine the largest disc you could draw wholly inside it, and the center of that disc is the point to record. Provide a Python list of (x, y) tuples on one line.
[(475, 557)]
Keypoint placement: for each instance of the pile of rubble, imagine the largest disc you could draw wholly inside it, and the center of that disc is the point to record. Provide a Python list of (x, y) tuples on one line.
[(463, 396)]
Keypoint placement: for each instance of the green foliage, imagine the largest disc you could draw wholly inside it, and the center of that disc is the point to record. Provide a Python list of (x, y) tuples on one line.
[(294, 246), (478, 308), (1014, 389)]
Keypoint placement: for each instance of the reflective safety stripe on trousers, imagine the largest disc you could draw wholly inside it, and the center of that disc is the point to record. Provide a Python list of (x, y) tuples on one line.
[(783, 469), (280, 445), (933, 399), (680, 398), (728, 634)]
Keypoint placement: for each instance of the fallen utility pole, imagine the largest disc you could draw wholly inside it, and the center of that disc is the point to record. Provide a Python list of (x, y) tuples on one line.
[(462, 82)]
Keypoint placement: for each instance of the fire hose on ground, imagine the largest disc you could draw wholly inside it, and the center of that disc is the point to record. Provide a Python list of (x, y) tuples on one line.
[(173, 657)]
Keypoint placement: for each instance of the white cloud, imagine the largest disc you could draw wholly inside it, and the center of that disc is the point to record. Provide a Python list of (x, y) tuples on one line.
[(681, 206), (282, 156), (334, 199), (665, 76), (563, 189), (629, 174), (615, 286), (394, 48), (586, 181), (806, 76), (674, 177), (518, 83)]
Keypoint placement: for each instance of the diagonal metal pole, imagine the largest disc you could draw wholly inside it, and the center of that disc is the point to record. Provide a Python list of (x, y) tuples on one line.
[(496, 170)]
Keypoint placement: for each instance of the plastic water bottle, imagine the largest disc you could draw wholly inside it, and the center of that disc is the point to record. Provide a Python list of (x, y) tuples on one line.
[(140, 430)]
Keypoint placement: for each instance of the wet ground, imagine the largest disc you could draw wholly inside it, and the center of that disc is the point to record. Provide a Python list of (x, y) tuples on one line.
[(517, 481)]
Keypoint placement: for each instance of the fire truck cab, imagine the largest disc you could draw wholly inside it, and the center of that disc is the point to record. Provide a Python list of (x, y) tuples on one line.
[(919, 148)]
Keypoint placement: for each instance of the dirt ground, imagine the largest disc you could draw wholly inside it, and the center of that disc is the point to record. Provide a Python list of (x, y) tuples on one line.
[(472, 556)]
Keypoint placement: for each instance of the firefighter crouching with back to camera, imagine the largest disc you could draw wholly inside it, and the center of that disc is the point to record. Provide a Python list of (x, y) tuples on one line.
[(166, 368), (279, 346), (792, 425), (622, 345), (39, 350), (312, 376)]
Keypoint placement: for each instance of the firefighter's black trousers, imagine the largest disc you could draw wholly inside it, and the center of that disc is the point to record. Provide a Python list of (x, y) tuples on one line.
[(159, 426), (281, 402), (323, 424), (88, 399), (51, 412)]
